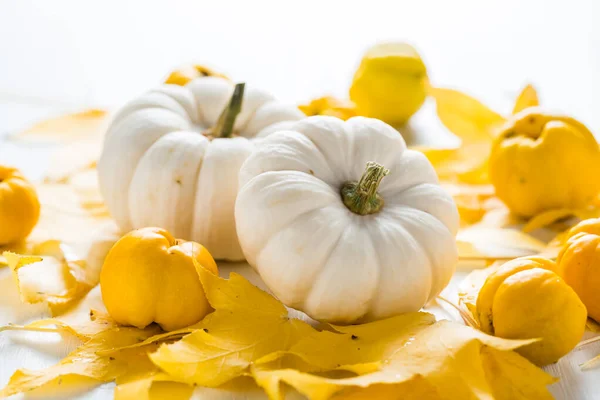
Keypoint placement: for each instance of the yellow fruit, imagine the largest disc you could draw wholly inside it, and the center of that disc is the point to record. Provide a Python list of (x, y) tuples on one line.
[(390, 83), (579, 264), (331, 106), (542, 161), (19, 206), (525, 299), (149, 276), (182, 75)]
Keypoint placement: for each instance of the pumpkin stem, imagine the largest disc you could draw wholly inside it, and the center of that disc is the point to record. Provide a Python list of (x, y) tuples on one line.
[(361, 197), (224, 126)]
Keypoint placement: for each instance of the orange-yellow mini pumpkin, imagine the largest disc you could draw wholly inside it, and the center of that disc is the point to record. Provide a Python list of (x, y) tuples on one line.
[(579, 264), (541, 161), (187, 73), (149, 276), (19, 206), (328, 105), (525, 299)]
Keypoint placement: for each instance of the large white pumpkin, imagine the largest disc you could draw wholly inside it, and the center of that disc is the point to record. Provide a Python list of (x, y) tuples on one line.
[(338, 249), (161, 167)]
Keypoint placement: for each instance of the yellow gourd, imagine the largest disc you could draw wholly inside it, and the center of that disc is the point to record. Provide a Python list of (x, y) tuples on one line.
[(331, 106), (525, 299), (541, 161), (579, 264), (19, 206), (390, 83), (187, 73), (149, 276)]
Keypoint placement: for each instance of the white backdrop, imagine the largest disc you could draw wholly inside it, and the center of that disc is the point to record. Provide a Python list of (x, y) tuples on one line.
[(70, 53)]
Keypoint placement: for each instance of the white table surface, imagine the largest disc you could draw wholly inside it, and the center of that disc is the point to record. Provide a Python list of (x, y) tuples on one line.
[(61, 56)]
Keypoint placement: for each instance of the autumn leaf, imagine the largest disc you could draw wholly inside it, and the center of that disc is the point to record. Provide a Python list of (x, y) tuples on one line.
[(85, 362), (140, 388), (469, 290), (66, 127), (52, 274), (97, 324), (246, 325), (357, 348), (466, 164), (483, 243), (527, 98), (455, 360), (465, 116), (547, 218), (472, 201)]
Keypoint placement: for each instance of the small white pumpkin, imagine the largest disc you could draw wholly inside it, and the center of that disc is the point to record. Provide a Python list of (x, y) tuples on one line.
[(171, 158), (340, 242)]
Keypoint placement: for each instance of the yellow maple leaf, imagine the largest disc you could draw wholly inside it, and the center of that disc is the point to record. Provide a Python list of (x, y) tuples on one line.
[(152, 385), (84, 362), (527, 98), (455, 360), (66, 127), (51, 273), (97, 324), (484, 243), (469, 290), (465, 116), (246, 325), (357, 348)]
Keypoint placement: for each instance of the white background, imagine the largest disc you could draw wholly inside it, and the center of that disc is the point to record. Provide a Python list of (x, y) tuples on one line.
[(58, 56)]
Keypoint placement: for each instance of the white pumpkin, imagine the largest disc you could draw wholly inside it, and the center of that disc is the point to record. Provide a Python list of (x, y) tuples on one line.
[(160, 165), (339, 241)]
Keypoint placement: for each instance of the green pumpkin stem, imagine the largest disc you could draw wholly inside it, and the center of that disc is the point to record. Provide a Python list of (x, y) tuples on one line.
[(226, 121), (361, 197)]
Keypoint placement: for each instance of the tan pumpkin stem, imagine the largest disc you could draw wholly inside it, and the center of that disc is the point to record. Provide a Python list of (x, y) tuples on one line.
[(226, 121), (361, 197)]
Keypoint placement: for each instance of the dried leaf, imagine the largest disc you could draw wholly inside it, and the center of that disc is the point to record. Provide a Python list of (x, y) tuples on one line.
[(547, 218), (357, 348), (593, 325), (73, 158), (465, 116), (594, 362), (83, 332), (247, 324), (527, 98), (469, 290), (466, 164), (64, 218), (52, 274), (452, 358), (591, 364), (141, 388), (482, 243), (471, 200), (66, 127), (84, 361)]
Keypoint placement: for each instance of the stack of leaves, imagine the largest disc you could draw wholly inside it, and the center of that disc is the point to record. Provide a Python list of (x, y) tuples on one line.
[(250, 333)]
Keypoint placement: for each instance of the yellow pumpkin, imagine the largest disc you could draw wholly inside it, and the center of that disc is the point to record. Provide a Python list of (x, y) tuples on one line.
[(390, 83), (331, 106), (579, 264), (186, 73), (525, 299), (19, 206), (149, 276), (541, 161)]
